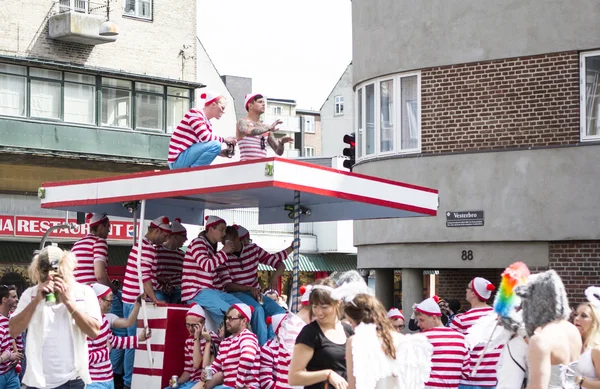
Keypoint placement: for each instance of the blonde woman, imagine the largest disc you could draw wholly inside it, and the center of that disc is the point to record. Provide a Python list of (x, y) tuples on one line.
[(54, 325), (319, 355), (587, 321)]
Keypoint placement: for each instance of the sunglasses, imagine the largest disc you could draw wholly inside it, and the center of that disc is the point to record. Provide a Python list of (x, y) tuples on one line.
[(231, 318)]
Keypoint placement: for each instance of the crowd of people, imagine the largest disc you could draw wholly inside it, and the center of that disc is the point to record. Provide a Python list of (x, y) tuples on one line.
[(342, 337)]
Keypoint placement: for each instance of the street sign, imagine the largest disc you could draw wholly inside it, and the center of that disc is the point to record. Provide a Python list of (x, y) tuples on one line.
[(464, 219)]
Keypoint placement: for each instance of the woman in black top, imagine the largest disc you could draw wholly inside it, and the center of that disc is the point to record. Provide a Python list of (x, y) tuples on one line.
[(319, 354)]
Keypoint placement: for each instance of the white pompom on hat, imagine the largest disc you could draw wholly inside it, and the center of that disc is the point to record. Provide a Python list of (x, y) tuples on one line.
[(211, 221), (162, 223), (177, 228), (100, 290), (210, 97), (242, 232), (276, 320), (429, 307), (395, 313), (196, 310), (245, 310), (94, 219), (249, 97), (482, 288)]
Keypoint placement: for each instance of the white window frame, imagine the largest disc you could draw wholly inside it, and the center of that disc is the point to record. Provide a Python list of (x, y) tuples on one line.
[(313, 151), (276, 110), (397, 112), (138, 7), (309, 119), (583, 98), (338, 102)]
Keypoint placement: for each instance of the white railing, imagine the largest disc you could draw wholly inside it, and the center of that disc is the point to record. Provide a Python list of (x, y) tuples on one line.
[(290, 123), (73, 5), (249, 219)]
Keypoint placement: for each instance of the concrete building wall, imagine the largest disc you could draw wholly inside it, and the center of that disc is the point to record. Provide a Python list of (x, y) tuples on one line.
[(239, 87), (164, 47), (334, 126)]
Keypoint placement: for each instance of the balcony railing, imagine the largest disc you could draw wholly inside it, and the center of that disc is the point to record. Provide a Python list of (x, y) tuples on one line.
[(249, 219), (82, 6)]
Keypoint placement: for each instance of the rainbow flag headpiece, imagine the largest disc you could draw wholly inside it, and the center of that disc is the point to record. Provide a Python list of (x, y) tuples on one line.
[(506, 299)]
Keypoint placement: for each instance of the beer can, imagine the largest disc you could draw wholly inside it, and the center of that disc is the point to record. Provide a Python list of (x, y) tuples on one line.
[(173, 382), (209, 373)]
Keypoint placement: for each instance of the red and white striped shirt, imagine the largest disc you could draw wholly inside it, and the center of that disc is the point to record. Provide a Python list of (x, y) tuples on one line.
[(486, 372), (5, 345), (88, 250), (239, 360), (99, 354), (169, 265), (250, 147), (274, 365), (188, 364), (222, 278), (19, 339), (450, 359), (131, 286), (244, 269), (199, 268), (193, 128)]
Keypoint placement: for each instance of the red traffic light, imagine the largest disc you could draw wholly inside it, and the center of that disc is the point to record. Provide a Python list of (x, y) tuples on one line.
[(350, 139)]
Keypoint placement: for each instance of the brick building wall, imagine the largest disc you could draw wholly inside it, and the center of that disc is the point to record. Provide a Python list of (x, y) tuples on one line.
[(452, 283), (144, 47), (502, 104), (315, 139)]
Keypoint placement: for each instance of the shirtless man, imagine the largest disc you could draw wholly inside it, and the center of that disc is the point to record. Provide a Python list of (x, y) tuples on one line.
[(253, 135)]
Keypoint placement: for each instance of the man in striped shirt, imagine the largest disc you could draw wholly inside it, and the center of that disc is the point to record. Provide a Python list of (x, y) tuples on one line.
[(193, 142), (9, 376), (239, 355), (200, 281), (275, 358), (450, 360), (157, 232), (170, 264), (91, 252), (243, 268), (253, 135), (479, 290)]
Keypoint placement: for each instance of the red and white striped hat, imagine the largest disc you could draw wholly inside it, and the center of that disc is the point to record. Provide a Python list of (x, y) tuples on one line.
[(276, 320), (93, 219), (242, 232), (245, 310), (210, 97), (196, 310), (211, 221), (483, 288), (177, 228), (100, 290), (162, 223), (305, 292), (249, 97), (429, 307), (395, 313)]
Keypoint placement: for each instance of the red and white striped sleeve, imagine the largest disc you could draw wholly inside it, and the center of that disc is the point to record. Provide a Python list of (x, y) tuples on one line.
[(248, 352), (5, 345), (223, 277), (188, 351), (217, 365), (466, 365), (96, 355), (202, 128), (458, 325), (101, 251), (202, 256), (272, 260), (123, 342), (267, 365)]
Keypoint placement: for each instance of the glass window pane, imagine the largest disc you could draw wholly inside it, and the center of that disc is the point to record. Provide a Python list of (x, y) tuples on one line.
[(149, 111), (80, 103), (116, 108), (592, 96), (13, 95), (14, 69), (141, 86), (45, 99), (386, 112), (370, 116), (178, 92), (359, 140), (45, 73), (410, 113), (176, 110), (82, 78), (116, 82)]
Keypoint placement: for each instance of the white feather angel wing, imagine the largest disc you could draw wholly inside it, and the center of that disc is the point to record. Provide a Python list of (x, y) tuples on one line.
[(410, 369), (486, 329)]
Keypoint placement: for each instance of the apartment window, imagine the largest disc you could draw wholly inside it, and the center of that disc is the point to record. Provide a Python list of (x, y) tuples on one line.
[(178, 103), (309, 151), (80, 98), (46, 93), (309, 124), (13, 90), (590, 96), (276, 110), (388, 116), (149, 106), (138, 9), (116, 102), (339, 105)]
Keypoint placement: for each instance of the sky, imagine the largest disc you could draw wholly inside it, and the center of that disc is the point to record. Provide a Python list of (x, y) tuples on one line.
[(292, 49)]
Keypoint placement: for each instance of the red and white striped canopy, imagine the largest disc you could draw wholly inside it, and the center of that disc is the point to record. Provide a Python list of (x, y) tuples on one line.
[(267, 184)]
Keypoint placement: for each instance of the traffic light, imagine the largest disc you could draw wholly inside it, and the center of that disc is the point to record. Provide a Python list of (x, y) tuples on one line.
[(350, 151)]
